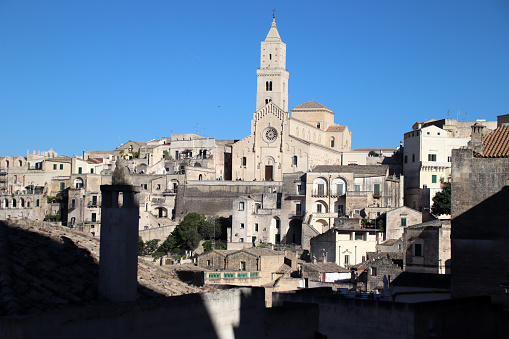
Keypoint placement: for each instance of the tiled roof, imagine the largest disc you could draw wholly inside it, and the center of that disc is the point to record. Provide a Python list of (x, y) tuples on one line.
[(427, 280), (436, 222), (378, 170), (324, 267), (390, 242), (336, 128), (283, 269), (373, 256), (60, 159), (260, 251), (47, 267), (95, 160), (496, 144), (311, 105)]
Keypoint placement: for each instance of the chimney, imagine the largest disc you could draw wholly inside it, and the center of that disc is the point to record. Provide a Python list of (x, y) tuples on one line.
[(118, 262)]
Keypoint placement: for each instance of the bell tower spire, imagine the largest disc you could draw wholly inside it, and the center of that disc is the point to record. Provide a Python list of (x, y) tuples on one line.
[(272, 83)]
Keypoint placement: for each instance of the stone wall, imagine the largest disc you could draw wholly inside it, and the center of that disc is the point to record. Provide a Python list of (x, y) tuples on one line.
[(358, 318), (160, 233), (479, 237), (216, 197)]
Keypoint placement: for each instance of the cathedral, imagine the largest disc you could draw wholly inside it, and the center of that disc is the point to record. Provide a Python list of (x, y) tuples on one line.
[(280, 143)]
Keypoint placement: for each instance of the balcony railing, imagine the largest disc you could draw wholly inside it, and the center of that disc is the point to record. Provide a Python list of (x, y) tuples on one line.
[(92, 204), (320, 193), (170, 192)]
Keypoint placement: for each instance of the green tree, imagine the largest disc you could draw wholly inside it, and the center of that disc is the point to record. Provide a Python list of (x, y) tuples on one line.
[(188, 232), (219, 245), (442, 201), (211, 228)]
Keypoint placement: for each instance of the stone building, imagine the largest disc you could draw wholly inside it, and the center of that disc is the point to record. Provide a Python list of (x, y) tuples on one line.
[(344, 246), (379, 268), (479, 210), (397, 219), (280, 143), (256, 219), (427, 247), (427, 157)]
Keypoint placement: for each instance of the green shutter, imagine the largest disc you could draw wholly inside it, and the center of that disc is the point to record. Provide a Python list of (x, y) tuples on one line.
[(434, 179)]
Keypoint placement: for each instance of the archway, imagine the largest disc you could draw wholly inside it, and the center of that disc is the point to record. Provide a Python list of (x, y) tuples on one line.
[(321, 225)]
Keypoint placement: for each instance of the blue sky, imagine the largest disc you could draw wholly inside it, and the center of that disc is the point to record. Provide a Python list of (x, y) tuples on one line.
[(88, 75)]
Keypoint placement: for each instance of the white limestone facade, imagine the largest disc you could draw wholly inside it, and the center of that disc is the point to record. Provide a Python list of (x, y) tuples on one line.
[(280, 143)]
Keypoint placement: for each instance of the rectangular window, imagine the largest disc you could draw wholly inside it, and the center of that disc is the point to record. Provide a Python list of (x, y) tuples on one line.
[(62, 186), (363, 258), (61, 166), (80, 170), (299, 189), (73, 203), (339, 189), (37, 203), (94, 200), (241, 206), (256, 227), (358, 212), (158, 186), (176, 155), (434, 179), (357, 188), (377, 189), (432, 157), (403, 221), (449, 159), (321, 189), (413, 157), (54, 166), (359, 236), (92, 171), (241, 226), (242, 265), (294, 160), (244, 161), (347, 259), (318, 208), (373, 271), (94, 217), (418, 250), (298, 209)]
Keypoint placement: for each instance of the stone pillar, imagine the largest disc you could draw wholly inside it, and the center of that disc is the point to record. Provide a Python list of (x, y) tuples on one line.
[(118, 262)]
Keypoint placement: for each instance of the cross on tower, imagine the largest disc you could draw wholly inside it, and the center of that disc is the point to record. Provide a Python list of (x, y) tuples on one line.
[(273, 14)]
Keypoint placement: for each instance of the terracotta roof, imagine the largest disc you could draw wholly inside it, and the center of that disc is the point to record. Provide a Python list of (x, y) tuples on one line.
[(378, 170), (311, 105), (496, 144), (336, 128), (324, 267), (95, 160)]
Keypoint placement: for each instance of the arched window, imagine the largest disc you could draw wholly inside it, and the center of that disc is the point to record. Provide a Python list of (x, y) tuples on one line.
[(20, 163), (332, 142), (22, 202), (7, 163), (200, 177), (268, 86), (13, 203)]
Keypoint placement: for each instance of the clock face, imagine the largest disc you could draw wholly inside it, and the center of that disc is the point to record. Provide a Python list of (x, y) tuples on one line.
[(270, 134)]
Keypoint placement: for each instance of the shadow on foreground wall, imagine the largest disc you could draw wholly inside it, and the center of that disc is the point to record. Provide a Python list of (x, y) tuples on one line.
[(479, 247), (49, 289)]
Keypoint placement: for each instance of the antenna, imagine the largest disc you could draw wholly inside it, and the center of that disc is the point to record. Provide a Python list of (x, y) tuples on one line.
[(466, 116), (448, 111)]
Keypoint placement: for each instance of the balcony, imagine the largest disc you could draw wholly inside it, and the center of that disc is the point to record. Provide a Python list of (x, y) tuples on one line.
[(358, 193), (296, 214), (170, 192), (320, 193), (93, 204)]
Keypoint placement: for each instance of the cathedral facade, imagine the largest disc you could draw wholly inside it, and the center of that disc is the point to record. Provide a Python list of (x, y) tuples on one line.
[(280, 143)]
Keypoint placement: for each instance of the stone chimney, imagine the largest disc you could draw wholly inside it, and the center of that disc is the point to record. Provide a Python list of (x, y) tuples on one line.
[(118, 262), (475, 142)]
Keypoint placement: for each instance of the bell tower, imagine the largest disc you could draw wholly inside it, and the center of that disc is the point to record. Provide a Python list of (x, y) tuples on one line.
[(272, 76)]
